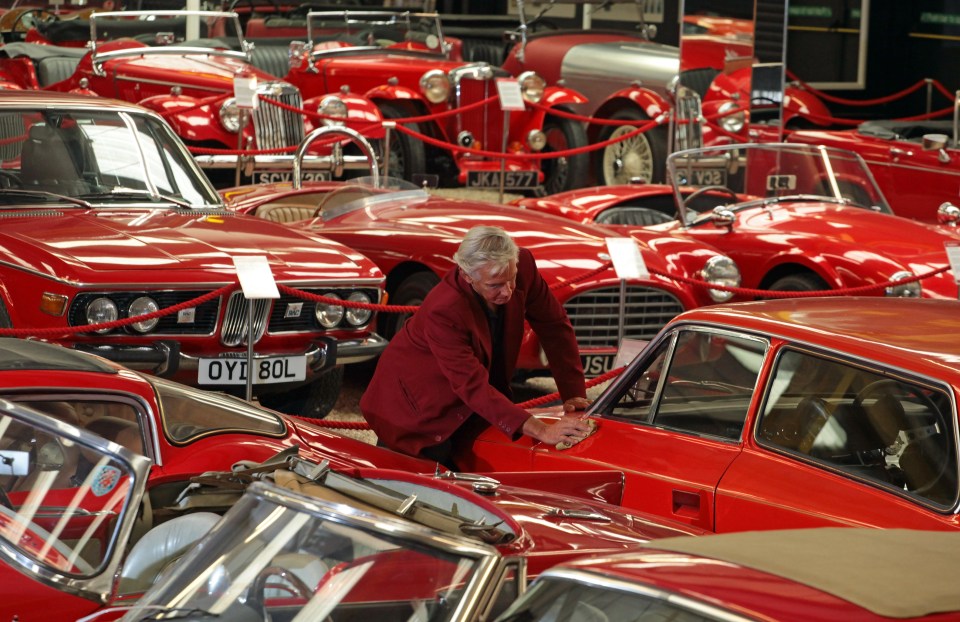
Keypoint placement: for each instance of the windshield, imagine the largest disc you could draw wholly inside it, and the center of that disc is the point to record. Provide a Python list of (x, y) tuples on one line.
[(738, 176), (382, 29), (98, 157), (61, 502), (281, 556)]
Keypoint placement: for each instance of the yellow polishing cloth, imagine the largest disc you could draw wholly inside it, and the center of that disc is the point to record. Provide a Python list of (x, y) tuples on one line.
[(568, 444)]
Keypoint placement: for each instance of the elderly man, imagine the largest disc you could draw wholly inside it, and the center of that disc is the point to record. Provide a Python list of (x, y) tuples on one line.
[(447, 372)]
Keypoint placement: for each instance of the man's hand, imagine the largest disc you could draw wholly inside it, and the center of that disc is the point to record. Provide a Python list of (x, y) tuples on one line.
[(576, 403), (568, 429)]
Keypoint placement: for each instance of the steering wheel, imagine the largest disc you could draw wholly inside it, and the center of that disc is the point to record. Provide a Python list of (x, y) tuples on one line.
[(926, 448), (699, 192), (341, 196), (20, 25), (9, 179), (258, 598), (32, 538)]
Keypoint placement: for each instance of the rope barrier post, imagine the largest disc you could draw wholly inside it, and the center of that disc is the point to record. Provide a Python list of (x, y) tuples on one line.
[(621, 312), (243, 125), (503, 160), (388, 127), (929, 95), (249, 393), (956, 117)]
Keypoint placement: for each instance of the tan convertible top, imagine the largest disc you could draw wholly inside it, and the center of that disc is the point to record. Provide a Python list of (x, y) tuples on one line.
[(898, 573)]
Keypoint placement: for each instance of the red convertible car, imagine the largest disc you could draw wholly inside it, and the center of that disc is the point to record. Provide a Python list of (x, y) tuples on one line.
[(412, 235), (107, 476), (793, 217), (168, 62), (377, 544), (838, 411), (106, 217), (870, 575), (402, 62)]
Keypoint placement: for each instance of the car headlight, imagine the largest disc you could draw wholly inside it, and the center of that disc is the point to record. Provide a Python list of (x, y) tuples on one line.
[(101, 310), (531, 86), (435, 86), (355, 316), (721, 270), (536, 140), (230, 115), (907, 290), (731, 117), (142, 306), (333, 106), (329, 315)]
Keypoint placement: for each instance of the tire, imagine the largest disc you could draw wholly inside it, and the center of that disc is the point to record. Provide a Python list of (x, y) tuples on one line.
[(411, 292), (643, 156), (802, 282), (407, 154), (568, 172), (314, 401)]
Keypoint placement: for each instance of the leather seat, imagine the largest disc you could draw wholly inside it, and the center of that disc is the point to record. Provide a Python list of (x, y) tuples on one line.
[(160, 547), (49, 164)]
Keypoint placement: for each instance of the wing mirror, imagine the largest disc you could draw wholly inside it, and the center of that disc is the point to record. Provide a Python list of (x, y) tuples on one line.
[(722, 216), (948, 214)]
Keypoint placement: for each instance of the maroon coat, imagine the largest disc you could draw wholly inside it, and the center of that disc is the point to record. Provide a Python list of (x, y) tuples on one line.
[(435, 372)]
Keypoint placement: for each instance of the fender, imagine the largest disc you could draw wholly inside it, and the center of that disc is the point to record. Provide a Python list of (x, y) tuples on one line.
[(646, 101), (553, 97), (18, 74), (395, 92), (363, 115), (802, 105), (194, 119)]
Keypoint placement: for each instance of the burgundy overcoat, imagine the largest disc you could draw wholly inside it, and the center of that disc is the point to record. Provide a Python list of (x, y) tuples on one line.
[(435, 372)]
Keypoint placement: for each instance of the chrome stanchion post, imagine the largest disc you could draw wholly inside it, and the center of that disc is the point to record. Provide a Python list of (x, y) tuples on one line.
[(243, 125), (503, 159), (388, 127), (249, 349), (622, 313)]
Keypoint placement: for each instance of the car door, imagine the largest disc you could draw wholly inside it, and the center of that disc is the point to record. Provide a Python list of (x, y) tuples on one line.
[(841, 442), (673, 422)]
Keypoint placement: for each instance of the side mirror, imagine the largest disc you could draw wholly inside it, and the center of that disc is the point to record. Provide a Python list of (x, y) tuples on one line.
[(948, 214), (722, 217)]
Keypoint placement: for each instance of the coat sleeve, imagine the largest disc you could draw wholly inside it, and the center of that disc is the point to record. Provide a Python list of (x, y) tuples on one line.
[(549, 321)]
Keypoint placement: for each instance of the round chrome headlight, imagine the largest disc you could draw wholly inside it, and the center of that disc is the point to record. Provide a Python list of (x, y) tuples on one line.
[(333, 106), (230, 115), (536, 140), (907, 290), (356, 316), (329, 315), (721, 270), (731, 117), (531, 86), (435, 86), (100, 310), (948, 214), (142, 306)]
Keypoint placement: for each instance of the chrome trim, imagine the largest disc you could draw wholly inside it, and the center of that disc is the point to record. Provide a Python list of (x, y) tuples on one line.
[(235, 328), (120, 78), (360, 350)]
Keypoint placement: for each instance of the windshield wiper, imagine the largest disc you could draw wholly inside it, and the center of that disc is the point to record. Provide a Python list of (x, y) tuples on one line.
[(14, 192), (127, 193)]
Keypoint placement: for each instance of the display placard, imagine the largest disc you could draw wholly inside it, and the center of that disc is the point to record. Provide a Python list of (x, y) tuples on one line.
[(627, 261)]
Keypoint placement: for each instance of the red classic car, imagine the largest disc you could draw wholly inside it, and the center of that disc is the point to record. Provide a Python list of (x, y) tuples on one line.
[(402, 62), (412, 235), (793, 413), (793, 217), (386, 545), (871, 575), (76, 491), (915, 163), (159, 59), (106, 216)]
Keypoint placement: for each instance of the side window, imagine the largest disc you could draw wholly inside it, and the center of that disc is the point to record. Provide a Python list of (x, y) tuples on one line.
[(709, 382), (890, 430)]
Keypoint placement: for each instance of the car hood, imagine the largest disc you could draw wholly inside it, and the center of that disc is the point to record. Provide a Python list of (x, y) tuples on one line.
[(72, 243), (188, 69)]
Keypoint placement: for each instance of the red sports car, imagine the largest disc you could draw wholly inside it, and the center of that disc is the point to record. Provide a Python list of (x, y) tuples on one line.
[(106, 217), (412, 235), (170, 62), (793, 217), (837, 411), (778, 576)]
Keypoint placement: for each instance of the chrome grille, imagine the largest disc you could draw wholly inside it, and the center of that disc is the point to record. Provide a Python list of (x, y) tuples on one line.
[(278, 127), (12, 134), (596, 320), (234, 330)]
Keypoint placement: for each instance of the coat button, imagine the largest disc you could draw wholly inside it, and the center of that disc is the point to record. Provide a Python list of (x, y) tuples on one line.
[(438, 438)]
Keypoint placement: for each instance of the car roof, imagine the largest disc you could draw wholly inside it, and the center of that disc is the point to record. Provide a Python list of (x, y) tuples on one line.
[(899, 573), (18, 99), (899, 331), (27, 355)]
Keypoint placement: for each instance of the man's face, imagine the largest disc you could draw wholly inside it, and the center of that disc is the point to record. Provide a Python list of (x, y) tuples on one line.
[(495, 287)]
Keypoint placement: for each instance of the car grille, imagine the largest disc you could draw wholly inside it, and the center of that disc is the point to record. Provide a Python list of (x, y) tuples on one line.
[(235, 325), (203, 322), (278, 127), (473, 83), (596, 320), (292, 314), (11, 129)]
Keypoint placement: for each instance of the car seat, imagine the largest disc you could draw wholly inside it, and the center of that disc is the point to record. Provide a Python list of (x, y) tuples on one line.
[(49, 164)]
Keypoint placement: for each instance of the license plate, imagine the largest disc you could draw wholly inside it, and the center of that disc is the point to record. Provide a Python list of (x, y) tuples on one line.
[(276, 177), (708, 177), (596, 364), (514, 179), (268, 370)]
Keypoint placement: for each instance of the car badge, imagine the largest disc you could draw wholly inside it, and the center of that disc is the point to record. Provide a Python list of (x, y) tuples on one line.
[(294, 309), (187, 316)]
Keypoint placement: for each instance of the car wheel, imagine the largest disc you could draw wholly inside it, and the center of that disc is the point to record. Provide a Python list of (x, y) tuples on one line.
[(314, 401), (407, 155), (411, 292), (567, 172), (642, 156), (799, 283)]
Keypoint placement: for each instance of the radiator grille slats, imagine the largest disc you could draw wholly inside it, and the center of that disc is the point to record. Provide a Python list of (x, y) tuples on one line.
[(234, 330), (596, 320), (278, 127)]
